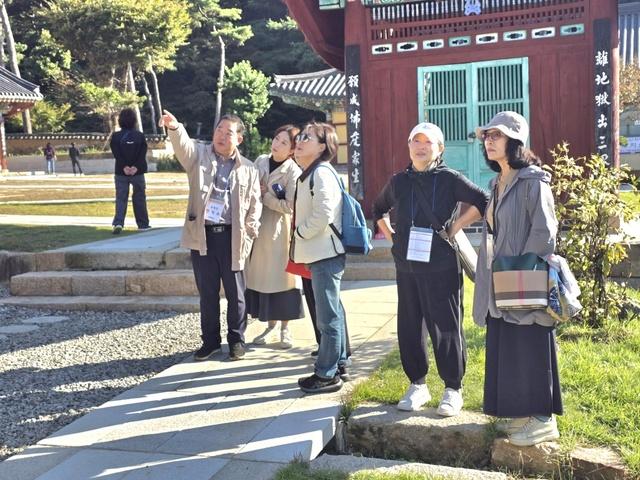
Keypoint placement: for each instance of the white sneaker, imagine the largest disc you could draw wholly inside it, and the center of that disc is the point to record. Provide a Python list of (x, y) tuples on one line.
[(535, 431), (510, 425), (415, 398), (451, 403), (262, 338), (286, 341)]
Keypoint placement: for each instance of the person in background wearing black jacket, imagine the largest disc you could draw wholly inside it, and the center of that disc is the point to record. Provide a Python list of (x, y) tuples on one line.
[(74, 155), (129, 148), (428, 276)]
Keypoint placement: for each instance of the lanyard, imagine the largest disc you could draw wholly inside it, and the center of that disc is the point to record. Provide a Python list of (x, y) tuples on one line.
[(433, 200)]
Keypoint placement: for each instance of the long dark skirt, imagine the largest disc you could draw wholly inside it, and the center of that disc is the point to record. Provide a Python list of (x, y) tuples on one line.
[(285, 305), (521, 370)]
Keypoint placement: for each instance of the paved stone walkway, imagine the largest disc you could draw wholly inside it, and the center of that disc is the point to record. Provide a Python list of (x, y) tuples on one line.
[(217, 419)]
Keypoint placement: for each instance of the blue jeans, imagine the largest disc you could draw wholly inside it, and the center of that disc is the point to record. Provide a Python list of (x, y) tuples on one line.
[(326, 276), (51, 166)]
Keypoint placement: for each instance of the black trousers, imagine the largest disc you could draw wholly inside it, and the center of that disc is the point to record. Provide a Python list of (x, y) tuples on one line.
[(74, 163), (431, 303), (209, 270), (307, 288)]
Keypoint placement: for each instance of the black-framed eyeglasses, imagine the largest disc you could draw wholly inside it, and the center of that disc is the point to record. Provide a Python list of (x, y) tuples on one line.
[(493, 136)]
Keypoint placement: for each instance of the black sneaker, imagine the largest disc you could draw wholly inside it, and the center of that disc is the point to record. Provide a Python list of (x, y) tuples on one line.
[(236, 351), (205, 351), (343, 373), (314, 353), (116, 229), (316, 384)]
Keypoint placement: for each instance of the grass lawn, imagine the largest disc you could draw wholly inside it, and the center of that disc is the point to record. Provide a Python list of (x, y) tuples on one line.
[(62, 193), (301, 471), (38, 238), (157, 209), (598, 374)]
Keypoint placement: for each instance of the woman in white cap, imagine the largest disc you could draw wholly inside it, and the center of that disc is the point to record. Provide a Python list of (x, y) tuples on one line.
[(428, 276), (521, 369)]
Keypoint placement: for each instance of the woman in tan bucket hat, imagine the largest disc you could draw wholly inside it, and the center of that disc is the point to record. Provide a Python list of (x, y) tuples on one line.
[(522, 384)]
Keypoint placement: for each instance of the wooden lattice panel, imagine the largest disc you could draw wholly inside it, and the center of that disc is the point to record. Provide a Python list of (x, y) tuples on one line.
[(425, 19)]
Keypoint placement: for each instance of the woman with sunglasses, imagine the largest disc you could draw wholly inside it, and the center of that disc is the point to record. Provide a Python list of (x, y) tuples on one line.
[(428, 276), (521, 369), (273, 294), (315, 242)]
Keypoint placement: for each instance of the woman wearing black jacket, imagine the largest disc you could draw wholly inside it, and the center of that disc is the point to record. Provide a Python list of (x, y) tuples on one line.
[(429, 279)]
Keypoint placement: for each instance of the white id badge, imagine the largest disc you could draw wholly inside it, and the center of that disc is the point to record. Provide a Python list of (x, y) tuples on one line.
[(213, 211), (419, 249)]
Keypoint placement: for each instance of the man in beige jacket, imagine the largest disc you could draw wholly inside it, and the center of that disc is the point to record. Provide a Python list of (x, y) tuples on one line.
[(221, 222)]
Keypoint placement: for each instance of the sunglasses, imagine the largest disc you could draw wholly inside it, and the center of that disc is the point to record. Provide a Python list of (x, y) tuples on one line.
[(493, 136), (305, 137)]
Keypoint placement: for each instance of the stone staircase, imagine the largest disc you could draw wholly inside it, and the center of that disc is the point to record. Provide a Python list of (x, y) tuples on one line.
[(147, 271)]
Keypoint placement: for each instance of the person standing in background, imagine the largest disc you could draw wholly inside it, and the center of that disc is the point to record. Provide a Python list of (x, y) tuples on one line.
[(50, 158), (74, 155), (129, 148)]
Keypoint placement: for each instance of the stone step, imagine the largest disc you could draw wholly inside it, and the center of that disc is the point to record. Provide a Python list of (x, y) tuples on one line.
[(370, 271), (382, 431), (186, 304), (105, 283), (351, 464)]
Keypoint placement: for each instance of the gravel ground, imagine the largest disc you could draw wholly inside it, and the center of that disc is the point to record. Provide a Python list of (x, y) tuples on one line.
[(52, 375)]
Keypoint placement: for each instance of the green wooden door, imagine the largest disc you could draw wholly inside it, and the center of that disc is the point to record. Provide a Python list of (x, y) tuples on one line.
[(460, 97)]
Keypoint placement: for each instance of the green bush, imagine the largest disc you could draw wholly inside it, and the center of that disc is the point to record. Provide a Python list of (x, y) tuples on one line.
[(168, 163), (590, 211)]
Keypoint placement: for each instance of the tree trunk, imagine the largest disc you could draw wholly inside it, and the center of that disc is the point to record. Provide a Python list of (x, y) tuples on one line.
[(13, 59), (154, 82), (152, 109), (220, 81), (132, 86)]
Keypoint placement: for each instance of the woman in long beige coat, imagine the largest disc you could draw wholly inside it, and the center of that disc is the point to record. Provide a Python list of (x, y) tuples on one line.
[(272, 294)]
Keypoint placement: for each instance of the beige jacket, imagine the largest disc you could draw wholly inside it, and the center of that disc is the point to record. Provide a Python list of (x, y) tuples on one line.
[(314, 239), (265, 268), (200, 163)]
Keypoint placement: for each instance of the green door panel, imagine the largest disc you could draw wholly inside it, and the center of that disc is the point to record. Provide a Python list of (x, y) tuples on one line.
[(460, 97)]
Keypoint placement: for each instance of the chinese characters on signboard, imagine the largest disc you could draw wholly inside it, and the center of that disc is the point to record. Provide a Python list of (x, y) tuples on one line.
[(354, 122), (602, 100)]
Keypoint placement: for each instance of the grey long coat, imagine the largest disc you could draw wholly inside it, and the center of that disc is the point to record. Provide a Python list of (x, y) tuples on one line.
[(527, 222)]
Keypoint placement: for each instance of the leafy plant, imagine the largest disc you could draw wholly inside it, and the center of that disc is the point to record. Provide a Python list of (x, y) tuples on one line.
[(590, 211), (168, 163), (49, 117)]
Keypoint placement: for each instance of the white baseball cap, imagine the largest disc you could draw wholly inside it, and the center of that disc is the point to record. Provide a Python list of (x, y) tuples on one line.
[(429, 129)]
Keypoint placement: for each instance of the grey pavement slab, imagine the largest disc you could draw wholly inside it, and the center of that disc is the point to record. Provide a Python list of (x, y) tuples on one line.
[(121, 465), (217, 419), (154, 239), (10, 329), (43, 320)]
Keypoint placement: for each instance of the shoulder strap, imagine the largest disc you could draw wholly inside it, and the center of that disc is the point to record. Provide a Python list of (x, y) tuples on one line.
[(423, 203), (331, 225)]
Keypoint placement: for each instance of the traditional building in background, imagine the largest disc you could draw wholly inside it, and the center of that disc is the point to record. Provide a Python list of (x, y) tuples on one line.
[(16, 95), (458, 62), (323, 91)]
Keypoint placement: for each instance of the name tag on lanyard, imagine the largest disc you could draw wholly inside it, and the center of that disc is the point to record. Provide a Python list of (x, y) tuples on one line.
[(213, 210), (419, 249)]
